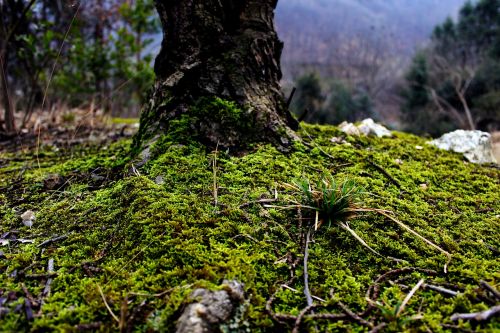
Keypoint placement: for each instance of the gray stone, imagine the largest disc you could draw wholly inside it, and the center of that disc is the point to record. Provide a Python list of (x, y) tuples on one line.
[(474, 145), (210, 309)]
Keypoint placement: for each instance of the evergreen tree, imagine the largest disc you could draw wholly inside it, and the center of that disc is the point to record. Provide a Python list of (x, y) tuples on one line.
[(309, 97), (460, 74)]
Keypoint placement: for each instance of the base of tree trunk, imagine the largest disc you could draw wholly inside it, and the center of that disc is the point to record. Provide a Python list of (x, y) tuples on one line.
[(218, 76)]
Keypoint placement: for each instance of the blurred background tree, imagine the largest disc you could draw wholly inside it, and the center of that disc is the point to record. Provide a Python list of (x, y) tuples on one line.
[(330, 101), (61, 54), (359, 51), (455, 81)]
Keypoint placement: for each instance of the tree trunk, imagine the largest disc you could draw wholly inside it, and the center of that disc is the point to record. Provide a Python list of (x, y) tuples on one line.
[(215, 51), (9, 121)]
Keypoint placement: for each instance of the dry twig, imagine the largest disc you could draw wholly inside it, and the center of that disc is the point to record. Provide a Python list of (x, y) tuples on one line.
[(214, 170), (477, 316), (409, 296), (307, 293), (492, 290), (107, 305), (300, 317), (404, 226), (52, 240), (383, 171)]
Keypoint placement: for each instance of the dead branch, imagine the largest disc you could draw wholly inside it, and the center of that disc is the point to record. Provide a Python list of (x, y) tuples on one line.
[(107, 305), (89, 327), (53, 240), (374, 290), (378, 328), (300, 317), (489, 288), (280, 318), (261, 201), (409, 296), (387, 174), (477, 316), (296, 291), (50, 270), (441, 290), (307, 293), (354, 316)]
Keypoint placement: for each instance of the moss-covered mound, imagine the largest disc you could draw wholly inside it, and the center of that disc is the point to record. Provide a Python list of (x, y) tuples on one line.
[(128, 244)]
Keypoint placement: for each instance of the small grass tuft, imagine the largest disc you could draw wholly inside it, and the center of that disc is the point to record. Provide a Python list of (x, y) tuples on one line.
[(334, 202)]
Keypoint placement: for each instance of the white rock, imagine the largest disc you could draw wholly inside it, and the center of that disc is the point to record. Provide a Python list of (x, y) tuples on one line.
[(366, 127), (474, 145), (369, 127), (349, 129)]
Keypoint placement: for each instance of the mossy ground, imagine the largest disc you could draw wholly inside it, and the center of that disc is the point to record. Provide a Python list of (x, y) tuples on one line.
[(149, 236)]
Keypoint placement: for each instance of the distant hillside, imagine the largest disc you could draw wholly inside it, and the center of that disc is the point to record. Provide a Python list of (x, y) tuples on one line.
[(313, 29)]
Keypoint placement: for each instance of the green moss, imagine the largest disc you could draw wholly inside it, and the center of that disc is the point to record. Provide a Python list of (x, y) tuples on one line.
[(125, 121), (158, 231), (208, 120)]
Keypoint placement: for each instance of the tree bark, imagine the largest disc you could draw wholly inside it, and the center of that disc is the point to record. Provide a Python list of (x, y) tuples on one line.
[(226, 49), (9, 121)]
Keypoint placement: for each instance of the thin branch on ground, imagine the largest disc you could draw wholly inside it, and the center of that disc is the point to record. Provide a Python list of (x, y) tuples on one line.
[(296, 291), (378, 328), (307, 293), (107, 305), (345, 226), (374, 290), (354, 316), (489, 288), (477, 316), (214, 170), (50, 270), (53, 240), (278, 317), (261, 201), (409, 296), (441, 289), (404, 226), (387, 174), (300, 317)]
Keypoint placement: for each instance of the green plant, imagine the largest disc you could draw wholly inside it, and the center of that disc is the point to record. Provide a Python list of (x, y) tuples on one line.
[(336, 203), (333, 202)]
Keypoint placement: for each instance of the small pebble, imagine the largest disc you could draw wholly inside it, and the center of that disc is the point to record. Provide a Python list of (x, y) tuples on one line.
[(28, 218)]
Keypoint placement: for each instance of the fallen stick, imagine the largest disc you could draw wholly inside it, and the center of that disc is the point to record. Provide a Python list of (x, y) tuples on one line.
[(408, 297), (52, 240), (50, 270), (477, 316), (107, 305), (492, 290), (441, 290)]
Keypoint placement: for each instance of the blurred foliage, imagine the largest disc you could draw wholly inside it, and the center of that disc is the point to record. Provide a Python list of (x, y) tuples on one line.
[(89, 54), (460, 70), (330, 101)]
